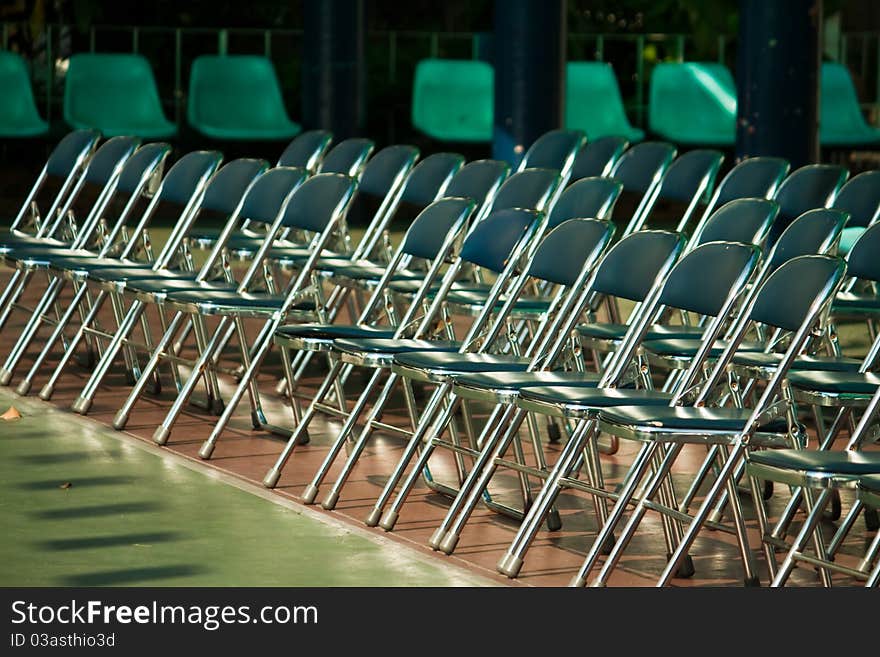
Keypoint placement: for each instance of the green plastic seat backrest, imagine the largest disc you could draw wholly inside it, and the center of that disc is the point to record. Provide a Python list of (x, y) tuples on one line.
[(113, 93), (454, 100), (235, 91), (840, 114), (593, 102), (18, 111), (693, 103)]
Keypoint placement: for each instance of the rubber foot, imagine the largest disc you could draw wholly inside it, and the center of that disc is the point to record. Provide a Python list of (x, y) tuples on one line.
[(373, 519), (310, 494), (389, 520), (716, 516), (449, 543), (554, 434), (510, 565), (608, 546), (685, 568), (436, 538), (156, 388), (554, 522), (81, 405), (255, 420), (330, 501), (23, 388), (5, 377), (752, 582), (578, 582), (832, 513), (160, 436), (217, 407), (119, 421), (130, 378), (767, 493), (304, 438), (46, 392), (206, 450), (872, 520)]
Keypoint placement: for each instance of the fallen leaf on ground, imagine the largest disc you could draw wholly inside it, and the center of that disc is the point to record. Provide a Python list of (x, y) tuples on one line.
[(66, 484), (11, 414)]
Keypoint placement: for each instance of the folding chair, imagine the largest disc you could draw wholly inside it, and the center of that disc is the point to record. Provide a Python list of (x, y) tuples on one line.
[(640, 170), (597, 157), (130, 181), (860, 196), (553, 150), (306, 150), (810, 187), (347, 157), (18, 111), (64, 165), (793, 299), (496, 244), (221, 199)]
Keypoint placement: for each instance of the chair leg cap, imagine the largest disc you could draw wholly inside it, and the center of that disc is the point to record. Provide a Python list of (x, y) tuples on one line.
[(554, 522), (271, 478), (685, 568), (389, 520), (330, 501), (449, 543), (46, 392), (510, 565), (5, 377), (372, 520), (310, 494), (81, 405), (437, 538), (23, 388), (119, 421), (160, 436), (206, 450), (578, 582)]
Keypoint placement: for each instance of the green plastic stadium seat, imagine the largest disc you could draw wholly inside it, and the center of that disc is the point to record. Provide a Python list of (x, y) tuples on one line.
[(237, 97), (18, 112), (115, 94), (593, 103), (454, 99), (693, 103), (841, 122)]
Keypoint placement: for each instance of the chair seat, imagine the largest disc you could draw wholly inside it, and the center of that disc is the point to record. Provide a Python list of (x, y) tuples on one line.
[(807, 363), (688, 418), (171, 284), (233, 299), (394, 346), (589, 396), (477, 297), (807, 460), (870, 483), (688, 347), (850, 302), (78, 261), (602, 331), (334, 331), (836, 382), (514, 380), (364, 270), (446, 362), (10, 241)]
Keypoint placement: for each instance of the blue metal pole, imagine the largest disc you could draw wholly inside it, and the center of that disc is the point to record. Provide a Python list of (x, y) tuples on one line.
[(529, 56)]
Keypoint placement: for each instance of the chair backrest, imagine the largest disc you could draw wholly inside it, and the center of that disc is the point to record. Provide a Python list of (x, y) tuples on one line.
[(553, 150), (454, 100), (862, 261), (590, 198), (860, 197), (632, 266), (347, 157), (642, 165), (840, 115), (385, 169), (430, 228), (430, 177), (593, 102), (745, 220), (815, 231), (478, 179), (754, 177), (71, 152), (787, 297), (228, 185), (810, 187), (306, 150), (188, 174), (563, 252), (693, 103), (109, 159), (266, 197), (18, 111), (114, 93), (691, 175), (530, 189), (597, 157), (491, 242), (704, 278), (148, 158), (237, 97), (318, 201)]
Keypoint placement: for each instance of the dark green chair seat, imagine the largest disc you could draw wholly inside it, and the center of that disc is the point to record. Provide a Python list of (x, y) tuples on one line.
[(845, 462), (870, 483), (25, 245), (841, 120), (139, 273), (237, 97), (591, 397), (171, 284), (852, 383), (18, 111), (207, 237), (394, 346), (234, 299), (849, 302), (454, 100), (810, 363), (688, 418), (71, 260), (601, 331), (476, 297), (593, 102), (515, 380), (687, 347), (367, 271), (464, 363), (334, 331), (115, 94)]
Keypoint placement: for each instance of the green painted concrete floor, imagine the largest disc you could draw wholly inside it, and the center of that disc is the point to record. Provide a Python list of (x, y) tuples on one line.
[(134, 517)]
